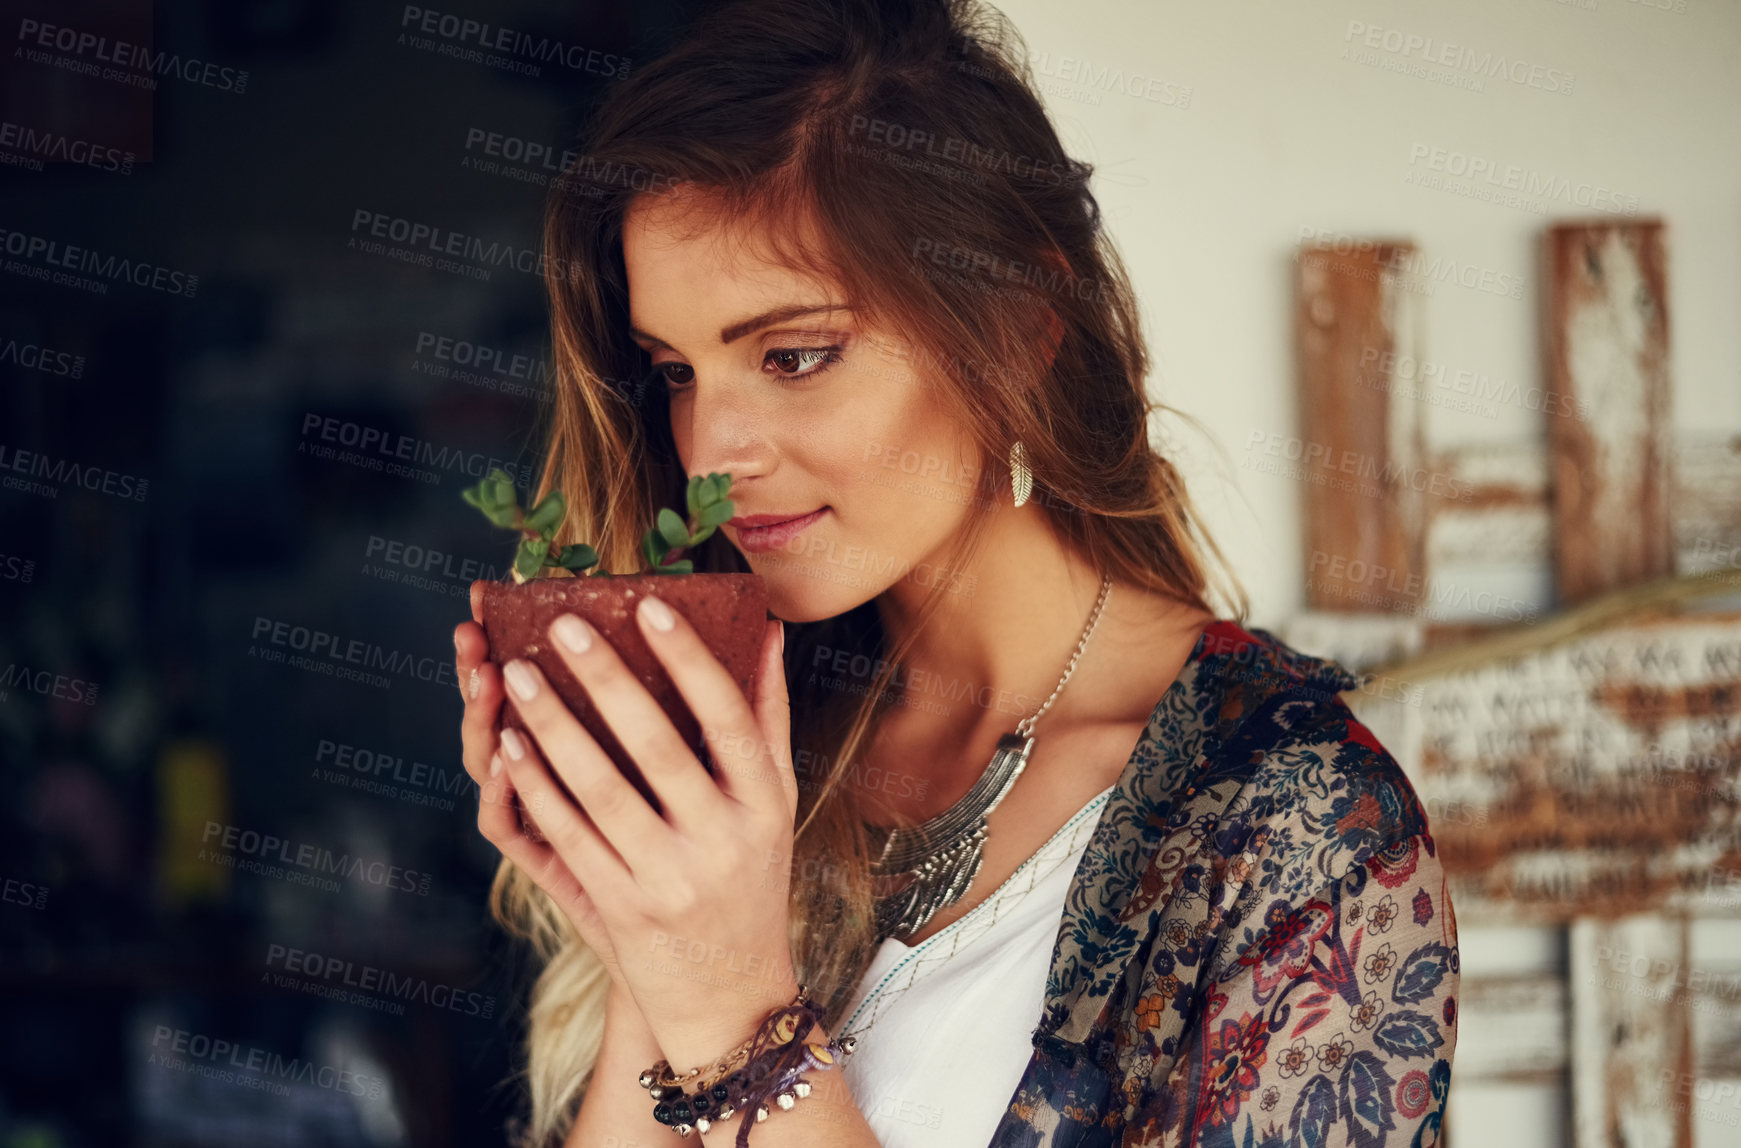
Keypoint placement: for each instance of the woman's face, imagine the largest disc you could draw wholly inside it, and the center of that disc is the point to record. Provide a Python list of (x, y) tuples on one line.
[(773, 382)]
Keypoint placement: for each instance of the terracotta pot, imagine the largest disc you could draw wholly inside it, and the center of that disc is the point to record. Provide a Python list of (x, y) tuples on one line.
[(727, 610)]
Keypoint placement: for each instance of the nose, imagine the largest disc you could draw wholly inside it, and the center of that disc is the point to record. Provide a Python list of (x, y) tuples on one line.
[(723, 428)]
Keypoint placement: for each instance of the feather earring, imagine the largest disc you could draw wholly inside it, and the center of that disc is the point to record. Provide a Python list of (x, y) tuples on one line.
[(1021, 478)]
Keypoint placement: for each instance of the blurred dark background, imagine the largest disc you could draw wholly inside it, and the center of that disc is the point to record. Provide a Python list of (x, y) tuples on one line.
[(243, 891)]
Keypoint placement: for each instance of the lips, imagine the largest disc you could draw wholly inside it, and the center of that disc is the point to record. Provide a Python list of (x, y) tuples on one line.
[(751, 521), (765, 532)]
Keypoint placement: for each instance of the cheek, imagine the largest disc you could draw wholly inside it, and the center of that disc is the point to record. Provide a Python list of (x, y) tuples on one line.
[(901, 496), (902, 478), (900, 434)]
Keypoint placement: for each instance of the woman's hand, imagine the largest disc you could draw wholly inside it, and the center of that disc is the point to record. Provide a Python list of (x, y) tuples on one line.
[(692, 904), (499, 807)]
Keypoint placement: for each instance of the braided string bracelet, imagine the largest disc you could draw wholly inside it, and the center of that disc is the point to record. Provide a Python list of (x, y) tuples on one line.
[(770, 1064), (665, 1084)]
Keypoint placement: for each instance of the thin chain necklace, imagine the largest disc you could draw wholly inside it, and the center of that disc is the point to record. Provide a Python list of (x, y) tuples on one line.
[(943, 855), (978, 921)]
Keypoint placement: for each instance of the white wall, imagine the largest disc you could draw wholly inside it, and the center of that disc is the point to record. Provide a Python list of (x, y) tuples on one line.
[(1207, 193)]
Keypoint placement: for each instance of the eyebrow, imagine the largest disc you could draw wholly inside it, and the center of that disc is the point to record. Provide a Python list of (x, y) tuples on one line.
[(737, 331)]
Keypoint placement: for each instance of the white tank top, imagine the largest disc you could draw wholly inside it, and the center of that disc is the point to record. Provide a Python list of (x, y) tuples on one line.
[(955, 1014)]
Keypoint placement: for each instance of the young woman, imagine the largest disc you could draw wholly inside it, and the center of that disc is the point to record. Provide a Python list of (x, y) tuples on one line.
[(1074, 860)]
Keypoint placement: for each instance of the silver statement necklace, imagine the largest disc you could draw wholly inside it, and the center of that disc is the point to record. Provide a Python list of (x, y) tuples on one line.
[(943, 855)]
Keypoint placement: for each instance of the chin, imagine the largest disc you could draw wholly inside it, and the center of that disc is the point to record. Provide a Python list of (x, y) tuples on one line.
[(796, 594)]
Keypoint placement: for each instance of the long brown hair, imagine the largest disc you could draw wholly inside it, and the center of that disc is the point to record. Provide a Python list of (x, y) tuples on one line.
[(909, 133)]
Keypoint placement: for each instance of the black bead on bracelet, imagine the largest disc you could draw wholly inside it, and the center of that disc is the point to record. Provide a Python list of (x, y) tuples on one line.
[(778, 1056)]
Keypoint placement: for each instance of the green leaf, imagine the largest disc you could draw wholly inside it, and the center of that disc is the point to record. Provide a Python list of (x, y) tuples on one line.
[(692, 495), (529, 557), (716, 515), (482, 497), (577, 557), (481, 494), (654, 547), (672, 528), (494, 495), (548, 515), (499, 488)]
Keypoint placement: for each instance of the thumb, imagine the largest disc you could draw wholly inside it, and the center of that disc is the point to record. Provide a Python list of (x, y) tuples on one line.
[(773, 709)]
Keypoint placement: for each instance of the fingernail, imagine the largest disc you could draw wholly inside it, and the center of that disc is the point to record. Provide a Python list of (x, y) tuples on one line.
[(474, 684), (573, 633), (658, 614), (495, 763), (522, 681), (513, 743)]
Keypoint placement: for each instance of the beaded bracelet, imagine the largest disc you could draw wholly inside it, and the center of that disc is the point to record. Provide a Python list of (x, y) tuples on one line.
[(773, 1060), (660, 1079)]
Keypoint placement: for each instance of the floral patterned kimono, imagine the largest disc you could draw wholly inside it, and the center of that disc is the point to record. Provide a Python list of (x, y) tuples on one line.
[(1257, 948)]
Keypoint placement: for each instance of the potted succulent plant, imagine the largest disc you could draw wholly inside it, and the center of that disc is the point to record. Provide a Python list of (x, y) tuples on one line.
[(729, 611)]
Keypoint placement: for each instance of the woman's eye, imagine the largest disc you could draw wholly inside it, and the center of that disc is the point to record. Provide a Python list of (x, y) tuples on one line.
[(784, 362), (798, 362), (674, 374)]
